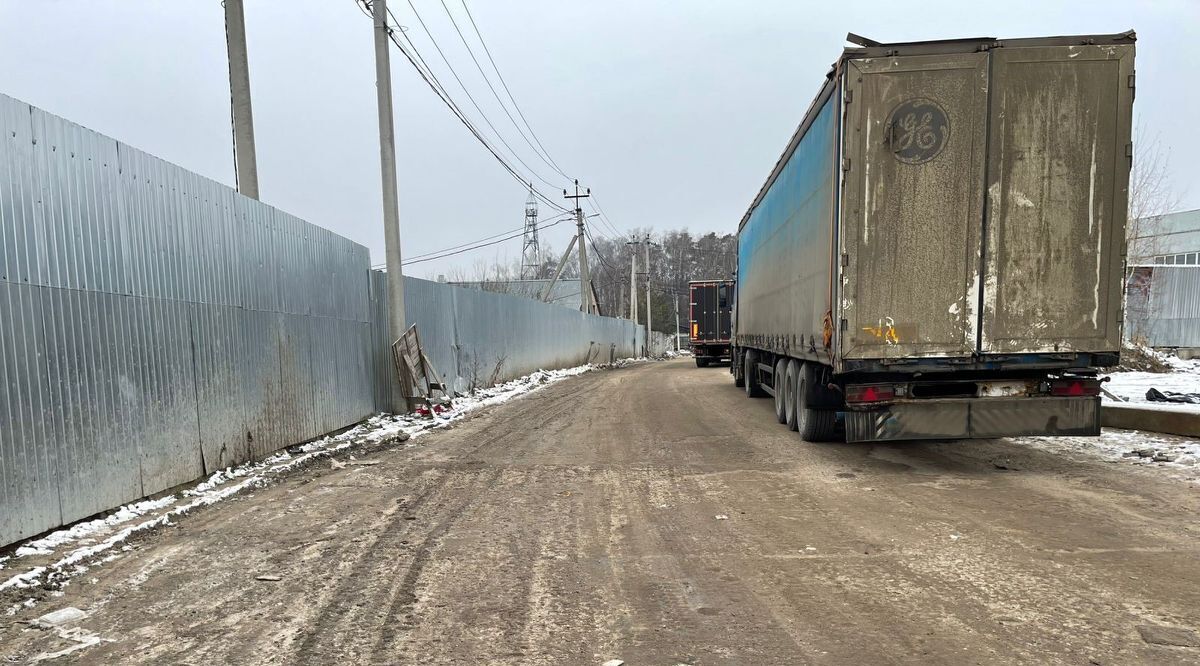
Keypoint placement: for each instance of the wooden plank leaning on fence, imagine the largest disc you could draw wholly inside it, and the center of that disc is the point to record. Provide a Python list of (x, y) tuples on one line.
[(412, 362)]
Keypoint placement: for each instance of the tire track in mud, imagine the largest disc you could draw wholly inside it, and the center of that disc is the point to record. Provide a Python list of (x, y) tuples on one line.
[(403, 597), (531, 416), (339, 608)]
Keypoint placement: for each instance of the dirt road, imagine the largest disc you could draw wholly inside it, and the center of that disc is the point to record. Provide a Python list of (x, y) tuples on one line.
[(656, 515)]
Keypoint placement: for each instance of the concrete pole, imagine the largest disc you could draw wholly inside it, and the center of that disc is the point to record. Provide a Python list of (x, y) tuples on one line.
[(633, 290), (391, 209), (676, 297), (245, 160), (649, 313), (585, 280)]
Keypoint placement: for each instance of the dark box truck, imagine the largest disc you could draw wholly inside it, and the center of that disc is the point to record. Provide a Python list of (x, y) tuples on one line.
[(711, 318), (938, 252)]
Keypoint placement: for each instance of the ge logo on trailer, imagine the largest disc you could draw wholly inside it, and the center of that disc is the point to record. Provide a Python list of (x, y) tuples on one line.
[(918, 130)]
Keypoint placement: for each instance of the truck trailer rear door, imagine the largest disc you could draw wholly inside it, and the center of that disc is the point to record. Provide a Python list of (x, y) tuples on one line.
[(1058, 175), (913, 157)]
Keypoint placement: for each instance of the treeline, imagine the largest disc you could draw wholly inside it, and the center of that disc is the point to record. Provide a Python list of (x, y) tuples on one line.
[(676, 257)]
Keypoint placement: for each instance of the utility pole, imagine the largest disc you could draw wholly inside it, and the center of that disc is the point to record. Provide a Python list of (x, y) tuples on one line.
[(633, 289), (649, 312), (245, 163), (675, 297), (585, 279), (391, 206)]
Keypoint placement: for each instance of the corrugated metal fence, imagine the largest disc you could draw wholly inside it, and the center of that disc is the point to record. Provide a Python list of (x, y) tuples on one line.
[(472, 336), (1162, 306), (156, 326)]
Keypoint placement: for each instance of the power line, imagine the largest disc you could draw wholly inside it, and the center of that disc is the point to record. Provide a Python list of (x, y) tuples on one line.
[(508, 91), (434, 84), (487, 80), (485, 238), (470, 97), (604, 219), (442, 254)]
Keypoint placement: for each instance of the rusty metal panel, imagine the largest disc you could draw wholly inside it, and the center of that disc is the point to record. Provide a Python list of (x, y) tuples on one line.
[(1057, 185), (914, 140)]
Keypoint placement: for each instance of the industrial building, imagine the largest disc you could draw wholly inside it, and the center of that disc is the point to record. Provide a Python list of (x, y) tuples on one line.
[(1162, 304)]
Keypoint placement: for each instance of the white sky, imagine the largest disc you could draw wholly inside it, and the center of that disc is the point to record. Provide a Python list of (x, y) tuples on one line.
[(673, 112)]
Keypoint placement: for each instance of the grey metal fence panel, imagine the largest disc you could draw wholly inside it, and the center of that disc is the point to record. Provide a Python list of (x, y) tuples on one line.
[(155, 325), (217, 337), (29, 492), (21, 226)]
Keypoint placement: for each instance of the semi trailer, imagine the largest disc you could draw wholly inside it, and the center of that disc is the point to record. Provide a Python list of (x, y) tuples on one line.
[(710, 319), (938, 253)]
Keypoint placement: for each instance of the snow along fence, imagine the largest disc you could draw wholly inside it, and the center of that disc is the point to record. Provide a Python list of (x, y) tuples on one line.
[(476, 338), (157, 326)]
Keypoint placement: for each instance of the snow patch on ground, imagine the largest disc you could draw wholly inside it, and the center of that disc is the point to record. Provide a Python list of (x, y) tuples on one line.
[(89, 539), (1129, 446), (80, 531), (1131, 386)]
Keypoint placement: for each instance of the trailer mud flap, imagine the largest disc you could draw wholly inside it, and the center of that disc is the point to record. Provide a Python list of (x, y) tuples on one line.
[(975, 419)]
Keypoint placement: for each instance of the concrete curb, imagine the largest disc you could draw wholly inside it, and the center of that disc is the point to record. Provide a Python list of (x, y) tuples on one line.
[(1168, 420)]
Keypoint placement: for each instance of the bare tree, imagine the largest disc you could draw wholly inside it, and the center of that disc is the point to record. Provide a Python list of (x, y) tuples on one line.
[(1150, 195), (1150, 199)]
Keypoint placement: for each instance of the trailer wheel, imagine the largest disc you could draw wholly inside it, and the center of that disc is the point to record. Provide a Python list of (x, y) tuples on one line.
[(701, 362), (790, 380), (780, 394), (750, 374), (814, 425)]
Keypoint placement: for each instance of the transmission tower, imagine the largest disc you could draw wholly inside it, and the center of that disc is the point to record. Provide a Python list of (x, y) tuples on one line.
[(531, 253)]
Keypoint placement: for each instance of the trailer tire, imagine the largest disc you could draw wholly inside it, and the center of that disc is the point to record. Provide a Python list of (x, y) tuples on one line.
[(750, 374), (701, 362), (777, 382), (790, 380), (814, 425)]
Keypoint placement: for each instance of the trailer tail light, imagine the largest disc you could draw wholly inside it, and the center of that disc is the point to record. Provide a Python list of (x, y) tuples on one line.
[(1073, 388), (695, 331), (870, 393)]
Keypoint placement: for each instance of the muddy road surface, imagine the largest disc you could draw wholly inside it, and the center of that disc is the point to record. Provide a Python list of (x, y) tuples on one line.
[(656, 515)]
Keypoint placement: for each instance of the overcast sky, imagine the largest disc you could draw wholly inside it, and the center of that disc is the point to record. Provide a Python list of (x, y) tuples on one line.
[(672, 112)]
